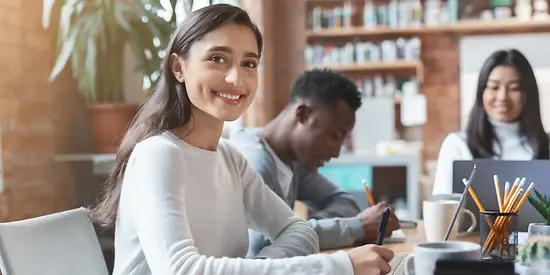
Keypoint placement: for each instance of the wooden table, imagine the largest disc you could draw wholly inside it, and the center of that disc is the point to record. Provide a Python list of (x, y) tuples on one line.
[(414, 236)]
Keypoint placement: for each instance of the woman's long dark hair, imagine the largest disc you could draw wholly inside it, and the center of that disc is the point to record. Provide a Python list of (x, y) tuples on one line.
[(480, 134), (169, 106)]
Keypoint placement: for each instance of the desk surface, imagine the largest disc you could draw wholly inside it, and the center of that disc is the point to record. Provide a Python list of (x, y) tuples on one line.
[(415, 236)]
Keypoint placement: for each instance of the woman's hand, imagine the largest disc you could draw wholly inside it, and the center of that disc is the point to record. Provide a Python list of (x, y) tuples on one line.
[(370, 260)]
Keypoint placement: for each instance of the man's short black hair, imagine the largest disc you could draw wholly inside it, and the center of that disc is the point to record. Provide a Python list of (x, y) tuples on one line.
[(325, 86)]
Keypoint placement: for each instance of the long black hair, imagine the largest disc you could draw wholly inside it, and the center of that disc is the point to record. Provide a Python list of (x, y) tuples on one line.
[(169, 106), (480, 134)]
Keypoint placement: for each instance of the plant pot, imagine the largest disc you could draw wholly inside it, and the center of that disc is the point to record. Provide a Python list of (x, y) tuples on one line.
[(538, 230), (539, 267), (108, 124)]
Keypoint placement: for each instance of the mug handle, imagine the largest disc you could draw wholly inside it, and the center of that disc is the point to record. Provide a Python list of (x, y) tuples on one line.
[(474, 222), (409, 264)]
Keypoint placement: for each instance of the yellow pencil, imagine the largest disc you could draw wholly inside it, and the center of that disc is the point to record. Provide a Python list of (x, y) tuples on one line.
[(369, 194), (506, 189), (479, 205), (497, 189)]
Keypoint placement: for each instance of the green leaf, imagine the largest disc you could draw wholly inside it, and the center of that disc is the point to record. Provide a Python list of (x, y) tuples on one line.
[(47, 13), (154, 3), (93, 34), (539, 207), (120, 10), (539, 196), (64, 55)]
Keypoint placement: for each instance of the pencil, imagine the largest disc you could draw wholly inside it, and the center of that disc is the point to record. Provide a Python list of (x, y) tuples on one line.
[(506, 189), (513, 207), (497, 189), (514, 186), (476, 200), (518, 184), (500, 221), (369, 194), (509, 203)]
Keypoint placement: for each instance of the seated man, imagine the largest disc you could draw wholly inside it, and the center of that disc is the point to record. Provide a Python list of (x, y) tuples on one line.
[(303, 137)]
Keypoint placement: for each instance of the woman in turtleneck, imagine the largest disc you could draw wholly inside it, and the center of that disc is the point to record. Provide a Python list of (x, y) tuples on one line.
[(505, 122)]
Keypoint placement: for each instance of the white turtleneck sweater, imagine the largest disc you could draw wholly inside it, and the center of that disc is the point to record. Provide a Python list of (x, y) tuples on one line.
[(454, 147)]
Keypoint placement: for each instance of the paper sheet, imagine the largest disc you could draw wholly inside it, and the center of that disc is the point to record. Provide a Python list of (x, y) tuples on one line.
[(398, 236), (413, 110)]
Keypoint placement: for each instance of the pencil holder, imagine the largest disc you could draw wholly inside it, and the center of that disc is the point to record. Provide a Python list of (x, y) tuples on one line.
[(498, 235)]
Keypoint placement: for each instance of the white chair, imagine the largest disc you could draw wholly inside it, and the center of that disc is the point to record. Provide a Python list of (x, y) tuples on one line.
[(63, 243)]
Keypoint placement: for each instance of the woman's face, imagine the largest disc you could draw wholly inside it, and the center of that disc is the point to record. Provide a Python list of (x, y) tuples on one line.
[(502, 98), (221, 71)]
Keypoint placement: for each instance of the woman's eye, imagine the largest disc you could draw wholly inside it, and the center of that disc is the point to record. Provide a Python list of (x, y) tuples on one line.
[(250, 64), (217, 59)]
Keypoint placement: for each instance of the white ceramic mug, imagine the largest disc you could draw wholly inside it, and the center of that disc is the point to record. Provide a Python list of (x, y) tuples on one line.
[(438, 214), (425, 256), (462, 223)]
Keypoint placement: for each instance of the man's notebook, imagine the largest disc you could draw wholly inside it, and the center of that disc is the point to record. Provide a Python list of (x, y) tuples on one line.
[(398, 236)]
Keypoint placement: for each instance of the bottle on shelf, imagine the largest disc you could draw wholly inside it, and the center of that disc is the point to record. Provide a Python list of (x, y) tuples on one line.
[(404, 10), (540, 8), (317, 18), (382, 15), (369, 15), (452, 9), (432, 13), (523, 10), (393, 14), (347, 14), (417, 13)]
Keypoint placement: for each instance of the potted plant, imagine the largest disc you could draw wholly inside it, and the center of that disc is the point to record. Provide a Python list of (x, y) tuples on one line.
[(542, 204), (92, 36), (534, 254)]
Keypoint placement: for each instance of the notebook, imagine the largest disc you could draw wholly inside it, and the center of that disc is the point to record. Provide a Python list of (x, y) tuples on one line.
[(397, 236)]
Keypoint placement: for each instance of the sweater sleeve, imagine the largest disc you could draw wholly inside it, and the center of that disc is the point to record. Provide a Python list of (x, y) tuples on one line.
[(453, 148), (160, 219)]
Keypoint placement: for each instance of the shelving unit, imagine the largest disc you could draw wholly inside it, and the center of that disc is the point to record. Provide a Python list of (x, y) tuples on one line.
[(470, 27), (351, 29), (374, 67)]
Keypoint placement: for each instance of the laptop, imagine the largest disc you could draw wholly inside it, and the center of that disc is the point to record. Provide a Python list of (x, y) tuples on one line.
[(537, 171)]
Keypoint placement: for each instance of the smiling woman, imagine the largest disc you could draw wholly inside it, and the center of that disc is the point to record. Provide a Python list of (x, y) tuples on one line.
[(505, 122), (181, 200)]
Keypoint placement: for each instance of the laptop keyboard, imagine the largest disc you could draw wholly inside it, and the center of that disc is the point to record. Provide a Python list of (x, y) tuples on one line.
[(398, 264)]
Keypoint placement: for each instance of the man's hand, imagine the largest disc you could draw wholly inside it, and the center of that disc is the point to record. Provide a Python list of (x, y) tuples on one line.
[(371, 217)]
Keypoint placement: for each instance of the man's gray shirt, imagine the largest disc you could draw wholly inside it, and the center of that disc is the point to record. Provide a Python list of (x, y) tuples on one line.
[(333, 210)]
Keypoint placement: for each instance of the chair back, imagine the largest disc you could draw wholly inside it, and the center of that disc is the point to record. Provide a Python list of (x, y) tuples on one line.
[(63, 243)]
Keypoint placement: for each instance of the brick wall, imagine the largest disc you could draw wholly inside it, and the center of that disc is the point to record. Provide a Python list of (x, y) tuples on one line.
[(282, 59), (37, 119), (440, 57)]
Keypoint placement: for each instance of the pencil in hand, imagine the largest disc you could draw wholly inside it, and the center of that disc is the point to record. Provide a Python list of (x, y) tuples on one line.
[(369, 194)]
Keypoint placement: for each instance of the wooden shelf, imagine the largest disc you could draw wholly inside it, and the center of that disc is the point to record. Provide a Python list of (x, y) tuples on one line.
[(399, 65), (471, 27)]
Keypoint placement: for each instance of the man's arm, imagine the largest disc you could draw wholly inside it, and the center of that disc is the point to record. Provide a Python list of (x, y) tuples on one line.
[(335, 220), (326, 198), (333, 233)]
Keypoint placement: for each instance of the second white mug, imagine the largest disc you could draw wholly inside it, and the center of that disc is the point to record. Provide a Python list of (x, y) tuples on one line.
[(438, 215)]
